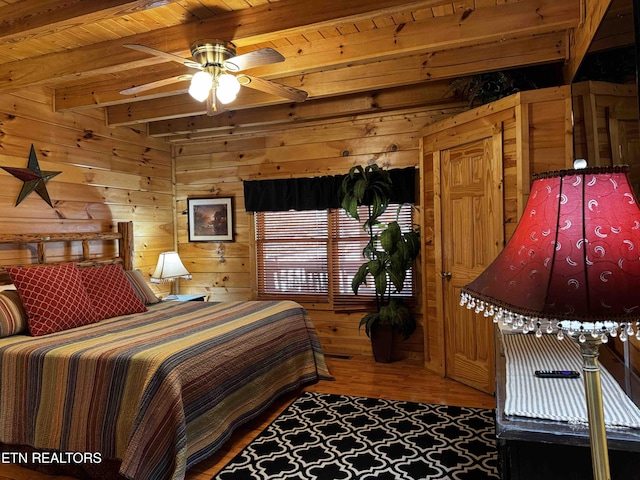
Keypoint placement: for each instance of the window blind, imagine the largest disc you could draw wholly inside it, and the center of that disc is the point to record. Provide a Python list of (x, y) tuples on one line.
[(312, 256), (349, 240), (291, 250)]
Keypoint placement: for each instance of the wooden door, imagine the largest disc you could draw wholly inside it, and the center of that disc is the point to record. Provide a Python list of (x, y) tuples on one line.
[(472, 234)]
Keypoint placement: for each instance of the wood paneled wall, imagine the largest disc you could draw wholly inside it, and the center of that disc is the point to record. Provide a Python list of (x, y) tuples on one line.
[(217, 167), (107, 175)]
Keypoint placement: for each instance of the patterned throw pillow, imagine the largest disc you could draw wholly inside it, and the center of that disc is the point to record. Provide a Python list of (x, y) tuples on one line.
[(110, 291), (13, 317), (54, 297), (142, 289)]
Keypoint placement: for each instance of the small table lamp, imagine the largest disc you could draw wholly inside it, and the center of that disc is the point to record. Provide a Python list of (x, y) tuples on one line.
[(571, 268), (169, 268)]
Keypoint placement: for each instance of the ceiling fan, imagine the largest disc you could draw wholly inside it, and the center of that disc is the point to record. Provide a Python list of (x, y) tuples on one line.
[(213, 83)]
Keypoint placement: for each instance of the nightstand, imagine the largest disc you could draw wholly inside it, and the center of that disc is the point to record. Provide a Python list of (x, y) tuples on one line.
[(185, 298)]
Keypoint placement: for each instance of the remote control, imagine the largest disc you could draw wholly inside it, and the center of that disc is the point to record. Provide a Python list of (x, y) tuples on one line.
[(556, 374)]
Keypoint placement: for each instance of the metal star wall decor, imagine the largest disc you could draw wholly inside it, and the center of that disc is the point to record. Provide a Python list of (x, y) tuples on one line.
[(34, 179)]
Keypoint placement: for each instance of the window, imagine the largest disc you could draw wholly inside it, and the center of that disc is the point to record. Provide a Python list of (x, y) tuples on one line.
[(291, 250), (313, 255)]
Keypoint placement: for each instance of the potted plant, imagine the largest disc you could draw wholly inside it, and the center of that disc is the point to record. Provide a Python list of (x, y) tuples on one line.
[(389, 254)]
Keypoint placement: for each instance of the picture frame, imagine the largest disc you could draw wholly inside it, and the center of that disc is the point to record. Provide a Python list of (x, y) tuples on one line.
[(210, 219)]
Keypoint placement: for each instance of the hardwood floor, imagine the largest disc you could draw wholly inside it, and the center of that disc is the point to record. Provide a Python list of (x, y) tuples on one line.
[(359, 376)]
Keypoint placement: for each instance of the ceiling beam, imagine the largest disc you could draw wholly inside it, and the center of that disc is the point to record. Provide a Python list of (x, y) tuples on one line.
[(424, 36), (367, 102), (106, 92), (593, 13), (247, 26), (427, 35), (177, 106), (435, 112), (25, 20), (510, 53)]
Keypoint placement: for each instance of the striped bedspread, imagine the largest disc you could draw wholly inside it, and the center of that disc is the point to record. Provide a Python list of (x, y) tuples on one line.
[(160, 390)]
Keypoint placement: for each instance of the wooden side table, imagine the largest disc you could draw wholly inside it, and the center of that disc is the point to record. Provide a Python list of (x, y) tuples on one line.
[(534, 449)]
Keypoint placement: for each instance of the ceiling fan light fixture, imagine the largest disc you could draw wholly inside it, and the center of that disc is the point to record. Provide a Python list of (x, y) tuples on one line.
[(201, 84), (212, 84), (228, 88)]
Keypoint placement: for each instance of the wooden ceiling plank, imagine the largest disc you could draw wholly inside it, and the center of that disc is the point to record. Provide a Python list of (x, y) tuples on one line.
[(420, 37), (236, 138), (352, 50), (244, 131), (167, 16), (403, 18), (107, 92), (365, 25), (297, 39), (124, 29), (313, 36), (443, 64), (329, 32), (384, 21), (23, 20), (264, 23), (136, 24), (422, 94), (236, 4), (179, 106), (347, 29), (386, 74), (164, 108)]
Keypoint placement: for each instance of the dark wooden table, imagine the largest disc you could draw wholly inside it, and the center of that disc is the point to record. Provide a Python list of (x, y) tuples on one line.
[(540, 449)]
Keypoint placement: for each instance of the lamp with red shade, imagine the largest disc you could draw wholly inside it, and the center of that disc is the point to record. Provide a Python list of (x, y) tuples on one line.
[(571, 268)]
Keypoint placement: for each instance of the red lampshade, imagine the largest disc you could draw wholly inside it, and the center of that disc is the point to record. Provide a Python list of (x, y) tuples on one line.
[(574, 258)]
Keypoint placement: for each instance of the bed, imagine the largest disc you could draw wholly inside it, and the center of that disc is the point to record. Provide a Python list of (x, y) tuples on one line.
[(158, 390)]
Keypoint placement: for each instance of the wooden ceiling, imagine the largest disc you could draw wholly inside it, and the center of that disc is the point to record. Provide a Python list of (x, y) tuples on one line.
[(351, 56)]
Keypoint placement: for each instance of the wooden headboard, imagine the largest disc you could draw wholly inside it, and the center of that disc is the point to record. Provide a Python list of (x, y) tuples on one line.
[(124, 237)]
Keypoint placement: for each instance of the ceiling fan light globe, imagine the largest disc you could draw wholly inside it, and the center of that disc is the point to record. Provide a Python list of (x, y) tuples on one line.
[(201, 84), (198, 95), (224, 96), (227, 88), (228, 83)]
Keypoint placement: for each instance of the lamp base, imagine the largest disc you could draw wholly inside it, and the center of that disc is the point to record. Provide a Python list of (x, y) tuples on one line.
[(590, 351)]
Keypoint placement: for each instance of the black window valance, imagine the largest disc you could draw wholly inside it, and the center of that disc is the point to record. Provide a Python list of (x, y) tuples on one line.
[(316, 193)]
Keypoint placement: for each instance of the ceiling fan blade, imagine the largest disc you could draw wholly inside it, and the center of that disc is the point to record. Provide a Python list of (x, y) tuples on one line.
[(257, 58), (272, 87), (157, 84), (166, 55)]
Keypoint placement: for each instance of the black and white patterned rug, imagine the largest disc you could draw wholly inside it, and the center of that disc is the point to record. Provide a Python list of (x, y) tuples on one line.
[(338, 437)]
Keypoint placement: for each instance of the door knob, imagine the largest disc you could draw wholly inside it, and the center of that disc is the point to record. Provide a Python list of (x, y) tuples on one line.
[(446, 275)]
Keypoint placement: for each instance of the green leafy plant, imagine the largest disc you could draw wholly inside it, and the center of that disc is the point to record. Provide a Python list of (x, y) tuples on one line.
[(487, 87), (484, 88), (389, 253)]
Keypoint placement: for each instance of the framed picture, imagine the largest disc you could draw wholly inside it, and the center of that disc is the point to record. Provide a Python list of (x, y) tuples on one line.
[(210, 219)]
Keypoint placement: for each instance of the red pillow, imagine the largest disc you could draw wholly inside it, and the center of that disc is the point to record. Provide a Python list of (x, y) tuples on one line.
[(53, 296), (110, 292)]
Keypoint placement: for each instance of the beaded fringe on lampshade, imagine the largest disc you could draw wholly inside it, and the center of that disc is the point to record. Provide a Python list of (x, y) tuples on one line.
[(573, 263)]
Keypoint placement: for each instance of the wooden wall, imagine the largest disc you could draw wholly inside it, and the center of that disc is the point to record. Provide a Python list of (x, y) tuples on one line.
[(217, 167), (606, 125), (116, 174), (107, 175)]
